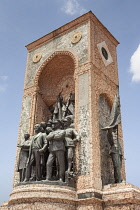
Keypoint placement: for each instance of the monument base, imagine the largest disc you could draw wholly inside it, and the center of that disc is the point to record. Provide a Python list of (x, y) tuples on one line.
[(41, 196), (4, 206), (121, 196)]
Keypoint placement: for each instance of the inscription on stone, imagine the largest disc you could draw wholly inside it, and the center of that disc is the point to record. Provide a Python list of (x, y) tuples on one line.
[(85, 195)]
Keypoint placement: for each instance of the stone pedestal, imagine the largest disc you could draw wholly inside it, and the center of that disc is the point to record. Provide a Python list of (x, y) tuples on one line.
[(4, 206), (122, 196), (40, 196)]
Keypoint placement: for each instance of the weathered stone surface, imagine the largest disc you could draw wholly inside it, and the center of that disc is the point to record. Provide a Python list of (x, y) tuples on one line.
[(4, 206), (37, 196), (23, 128), (122, 196), (62, 42), (25, 115), (84, 148)]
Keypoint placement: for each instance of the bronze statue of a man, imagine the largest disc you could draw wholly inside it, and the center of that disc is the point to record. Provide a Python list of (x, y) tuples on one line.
[(112, 135), (43, 127), (37, 147), (57, 149), (115, 152), (23, 157), (49, 127), (71, 137)]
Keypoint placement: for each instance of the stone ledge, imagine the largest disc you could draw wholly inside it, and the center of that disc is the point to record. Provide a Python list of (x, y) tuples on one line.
[(43, 182), (42, 193), (4, 205), (122, 193), (113, 196)]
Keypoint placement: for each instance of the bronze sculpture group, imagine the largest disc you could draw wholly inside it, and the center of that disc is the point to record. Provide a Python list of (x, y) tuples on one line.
[(49, 154)]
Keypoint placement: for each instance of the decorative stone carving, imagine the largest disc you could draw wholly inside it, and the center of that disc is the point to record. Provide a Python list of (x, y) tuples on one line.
[(37, 57), (76, 37), (105, 53)]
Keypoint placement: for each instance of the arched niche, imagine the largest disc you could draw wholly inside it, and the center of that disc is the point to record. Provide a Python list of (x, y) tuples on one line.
[(54, 76), (107, 172)]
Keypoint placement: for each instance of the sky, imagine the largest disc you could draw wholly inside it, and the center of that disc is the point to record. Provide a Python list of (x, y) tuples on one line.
[(22, 22)]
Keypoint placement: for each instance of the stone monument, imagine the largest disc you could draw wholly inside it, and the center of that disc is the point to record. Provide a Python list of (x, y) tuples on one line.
[(71, 112)]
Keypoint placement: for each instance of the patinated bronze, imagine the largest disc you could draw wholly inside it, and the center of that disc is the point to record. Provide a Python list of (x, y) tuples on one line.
[(43, 127), (115, 152), (71, 137), (50, 154), (112, 135), (36, 156), (23, 157), (57, 149)]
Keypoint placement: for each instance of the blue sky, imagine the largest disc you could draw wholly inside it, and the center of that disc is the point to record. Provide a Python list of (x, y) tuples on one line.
[(22, 22)]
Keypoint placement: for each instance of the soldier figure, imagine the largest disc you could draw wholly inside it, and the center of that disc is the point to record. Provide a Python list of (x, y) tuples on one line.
[(115, 152), (71, 137), (49, 127), (43, 127), (57, 149), (37, 147)]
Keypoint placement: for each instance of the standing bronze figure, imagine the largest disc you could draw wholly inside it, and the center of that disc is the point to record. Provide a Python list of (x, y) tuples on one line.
[(37, 147), (71, 137), (112, 135), (23, 157), (57, 149), (115, 152)]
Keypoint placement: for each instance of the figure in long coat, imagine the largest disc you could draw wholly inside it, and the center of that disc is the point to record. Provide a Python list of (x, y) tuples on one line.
[(23, 157), (56, 140), (37, 147)]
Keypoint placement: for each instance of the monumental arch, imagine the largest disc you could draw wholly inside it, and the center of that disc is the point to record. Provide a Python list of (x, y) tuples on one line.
[(76, 63)]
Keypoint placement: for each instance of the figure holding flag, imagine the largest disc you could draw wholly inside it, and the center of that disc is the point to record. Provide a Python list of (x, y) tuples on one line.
[(112, 135)]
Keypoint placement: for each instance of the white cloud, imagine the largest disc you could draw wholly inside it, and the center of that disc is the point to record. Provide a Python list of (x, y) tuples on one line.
[(135, 65), (3, 83), (3, 88), (4, 78), (72, 7)]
